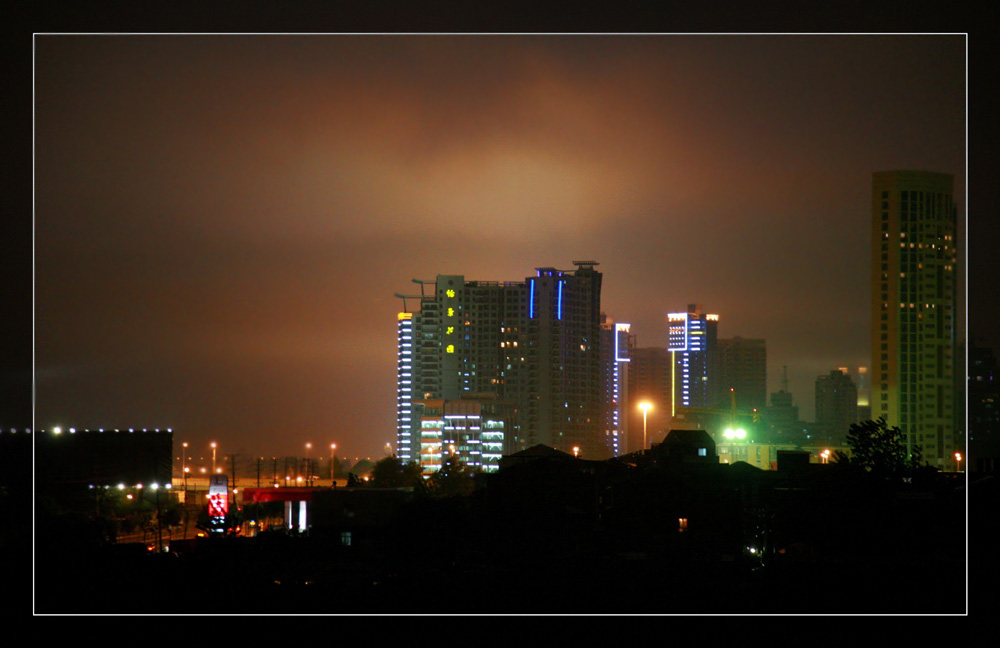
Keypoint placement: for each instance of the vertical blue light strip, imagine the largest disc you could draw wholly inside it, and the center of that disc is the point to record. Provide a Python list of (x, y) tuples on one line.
[(559, 305), (531, 299)]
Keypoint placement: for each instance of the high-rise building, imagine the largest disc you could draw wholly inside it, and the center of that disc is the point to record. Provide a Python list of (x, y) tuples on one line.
[(534, 346), (743, 368), (614, 384), (836, 404), (692, 342), (913, 288), (860, 377), (464, 340), (984, 409)]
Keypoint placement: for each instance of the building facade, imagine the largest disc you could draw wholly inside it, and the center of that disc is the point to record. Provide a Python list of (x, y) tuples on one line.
[(692, 339), (836, 404), (913, 297), (984, 410), (614, 385), (471, 428), (743, 368), (649, 382), (534, 346)]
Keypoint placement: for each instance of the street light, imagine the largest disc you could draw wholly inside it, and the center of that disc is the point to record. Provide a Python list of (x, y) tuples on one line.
[(645, 407), (184, 468), (333, 460), (308, 460), (213, 444), (958, 462)]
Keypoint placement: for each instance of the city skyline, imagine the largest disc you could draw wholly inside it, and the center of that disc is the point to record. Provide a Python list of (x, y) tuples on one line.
[(221, 221)]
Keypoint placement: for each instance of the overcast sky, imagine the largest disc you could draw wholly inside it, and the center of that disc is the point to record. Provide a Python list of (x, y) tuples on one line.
[(221, 221)]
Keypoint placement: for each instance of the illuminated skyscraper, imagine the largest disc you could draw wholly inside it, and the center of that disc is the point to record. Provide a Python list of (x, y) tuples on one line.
[(561, 393), (406, 447), (532, 346), (692, 341), (465, 344), (913, 288), (614, 384)]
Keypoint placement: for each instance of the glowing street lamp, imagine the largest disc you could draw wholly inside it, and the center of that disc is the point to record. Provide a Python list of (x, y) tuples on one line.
[(958, 462), (824, 456), (213, 444), (645, 407), (333, 459), (308, 464)]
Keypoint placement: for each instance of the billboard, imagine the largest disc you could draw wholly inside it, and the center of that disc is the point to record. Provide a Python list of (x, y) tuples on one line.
[(218, 503)]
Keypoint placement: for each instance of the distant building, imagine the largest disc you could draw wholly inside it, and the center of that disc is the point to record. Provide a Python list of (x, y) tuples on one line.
[(783, 425), (649, 382), (614, 385), (692, 342), (860, 377), (782, 418), (984, 410), (836, 404), (913, 297), (534, 344), (743, 368)]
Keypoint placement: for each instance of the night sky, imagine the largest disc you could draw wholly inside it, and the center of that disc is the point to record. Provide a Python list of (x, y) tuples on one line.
[(221, 221)]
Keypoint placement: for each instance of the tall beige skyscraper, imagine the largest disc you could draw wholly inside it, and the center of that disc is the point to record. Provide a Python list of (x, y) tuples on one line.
[(913, 310)]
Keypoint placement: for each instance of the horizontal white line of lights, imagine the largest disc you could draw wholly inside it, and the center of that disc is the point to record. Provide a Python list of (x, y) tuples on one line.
[(58, 430)]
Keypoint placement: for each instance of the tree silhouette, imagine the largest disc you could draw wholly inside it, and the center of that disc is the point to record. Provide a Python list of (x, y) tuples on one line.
[(391, 472), (878, 448), (455, 478)]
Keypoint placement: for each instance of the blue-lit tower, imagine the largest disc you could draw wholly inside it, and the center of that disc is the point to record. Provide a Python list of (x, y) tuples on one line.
[(692, 340), (561, 397), (615, 379)]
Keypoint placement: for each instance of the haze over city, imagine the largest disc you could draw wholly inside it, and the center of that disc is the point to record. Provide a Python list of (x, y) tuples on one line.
[(221, 221)]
